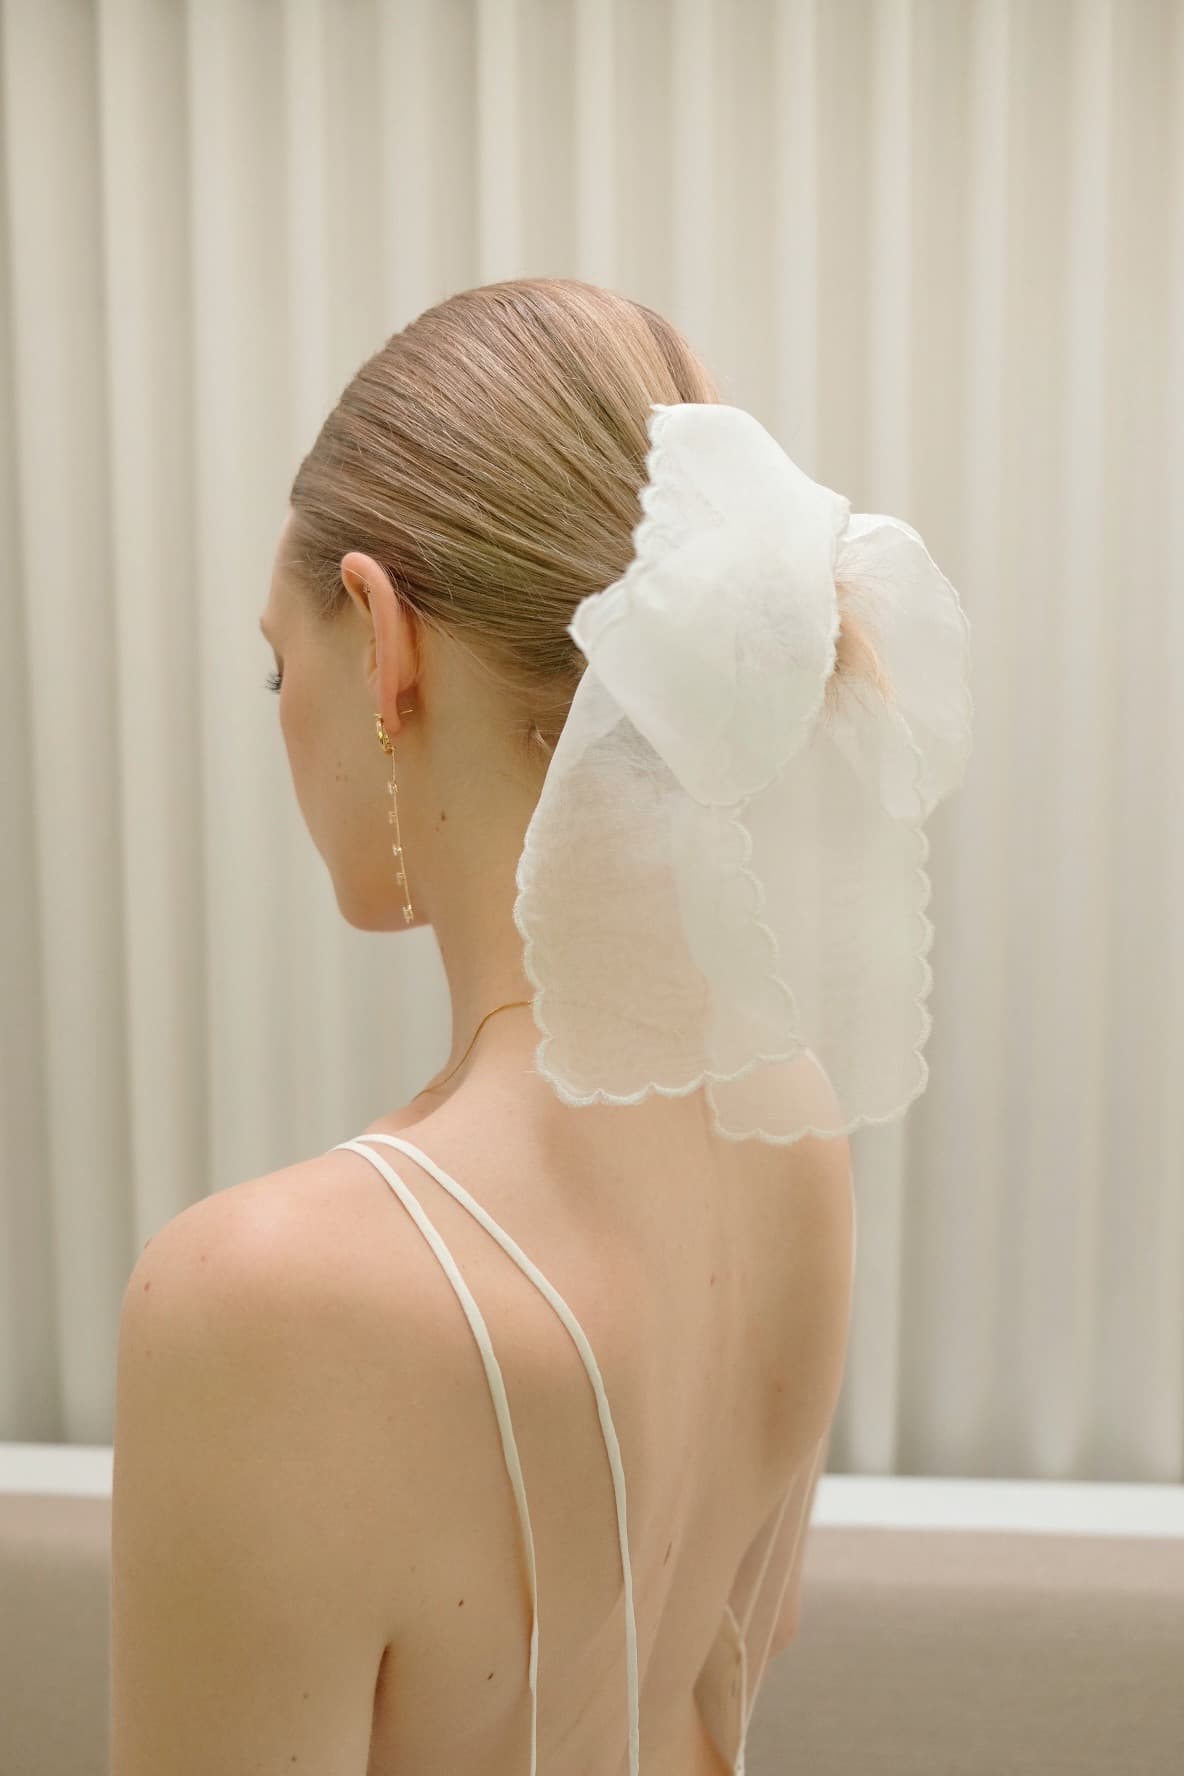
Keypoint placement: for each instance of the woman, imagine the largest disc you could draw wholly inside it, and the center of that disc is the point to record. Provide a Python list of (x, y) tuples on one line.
[(486, 1441)]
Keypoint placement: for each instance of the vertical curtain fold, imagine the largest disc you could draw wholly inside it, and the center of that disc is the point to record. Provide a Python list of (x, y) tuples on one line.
[(939, 250)]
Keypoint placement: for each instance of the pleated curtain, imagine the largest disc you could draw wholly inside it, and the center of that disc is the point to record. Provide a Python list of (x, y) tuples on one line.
[(937, 246)]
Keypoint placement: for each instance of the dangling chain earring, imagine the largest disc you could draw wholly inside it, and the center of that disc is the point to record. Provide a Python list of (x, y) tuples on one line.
[(388, 745), (392, 814)]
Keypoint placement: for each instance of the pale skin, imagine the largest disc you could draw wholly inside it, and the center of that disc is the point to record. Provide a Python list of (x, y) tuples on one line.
[(465, 798), (315, 1555)]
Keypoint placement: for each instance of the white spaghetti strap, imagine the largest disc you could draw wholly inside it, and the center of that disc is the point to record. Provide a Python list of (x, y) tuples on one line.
[(501, 1404)]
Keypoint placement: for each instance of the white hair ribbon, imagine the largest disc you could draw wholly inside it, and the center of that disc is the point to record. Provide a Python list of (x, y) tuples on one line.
[(723, 882)]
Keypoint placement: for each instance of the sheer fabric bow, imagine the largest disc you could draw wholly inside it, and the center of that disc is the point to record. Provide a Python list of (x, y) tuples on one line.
[(723, 882)]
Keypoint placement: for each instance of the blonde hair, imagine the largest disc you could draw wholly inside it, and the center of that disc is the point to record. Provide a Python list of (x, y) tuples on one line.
[(490, 457)]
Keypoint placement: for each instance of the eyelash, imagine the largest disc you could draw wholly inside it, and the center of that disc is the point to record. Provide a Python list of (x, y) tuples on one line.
[(273, 681)]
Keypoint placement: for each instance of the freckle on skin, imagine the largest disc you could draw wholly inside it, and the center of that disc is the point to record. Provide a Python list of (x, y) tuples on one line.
[(147, 1286)]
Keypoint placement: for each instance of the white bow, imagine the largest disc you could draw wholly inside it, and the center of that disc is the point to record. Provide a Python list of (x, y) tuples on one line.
[(723, 881)]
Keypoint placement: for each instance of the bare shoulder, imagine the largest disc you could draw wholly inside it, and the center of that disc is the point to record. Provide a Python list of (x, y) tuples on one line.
[(284, 1268), (821, 1185), (241, 1240), (254, 1265), (813, 1253), (296, 1248), (307, 1262)]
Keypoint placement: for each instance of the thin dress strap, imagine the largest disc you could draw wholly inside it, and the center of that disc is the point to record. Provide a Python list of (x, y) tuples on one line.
[(502, 1408)]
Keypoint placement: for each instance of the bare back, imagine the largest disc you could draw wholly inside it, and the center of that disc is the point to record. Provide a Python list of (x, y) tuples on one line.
[(711, 1281)]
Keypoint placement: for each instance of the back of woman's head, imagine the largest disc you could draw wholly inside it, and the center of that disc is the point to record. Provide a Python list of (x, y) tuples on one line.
[(490, 457)]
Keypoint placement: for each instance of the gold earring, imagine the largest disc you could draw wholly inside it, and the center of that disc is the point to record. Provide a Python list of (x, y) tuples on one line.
[(388, 745)]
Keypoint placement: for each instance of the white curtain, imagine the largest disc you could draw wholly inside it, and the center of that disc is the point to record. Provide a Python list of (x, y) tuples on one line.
[(938, 248)]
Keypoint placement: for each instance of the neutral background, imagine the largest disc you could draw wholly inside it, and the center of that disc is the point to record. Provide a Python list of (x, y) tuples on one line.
[(938, 248)]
